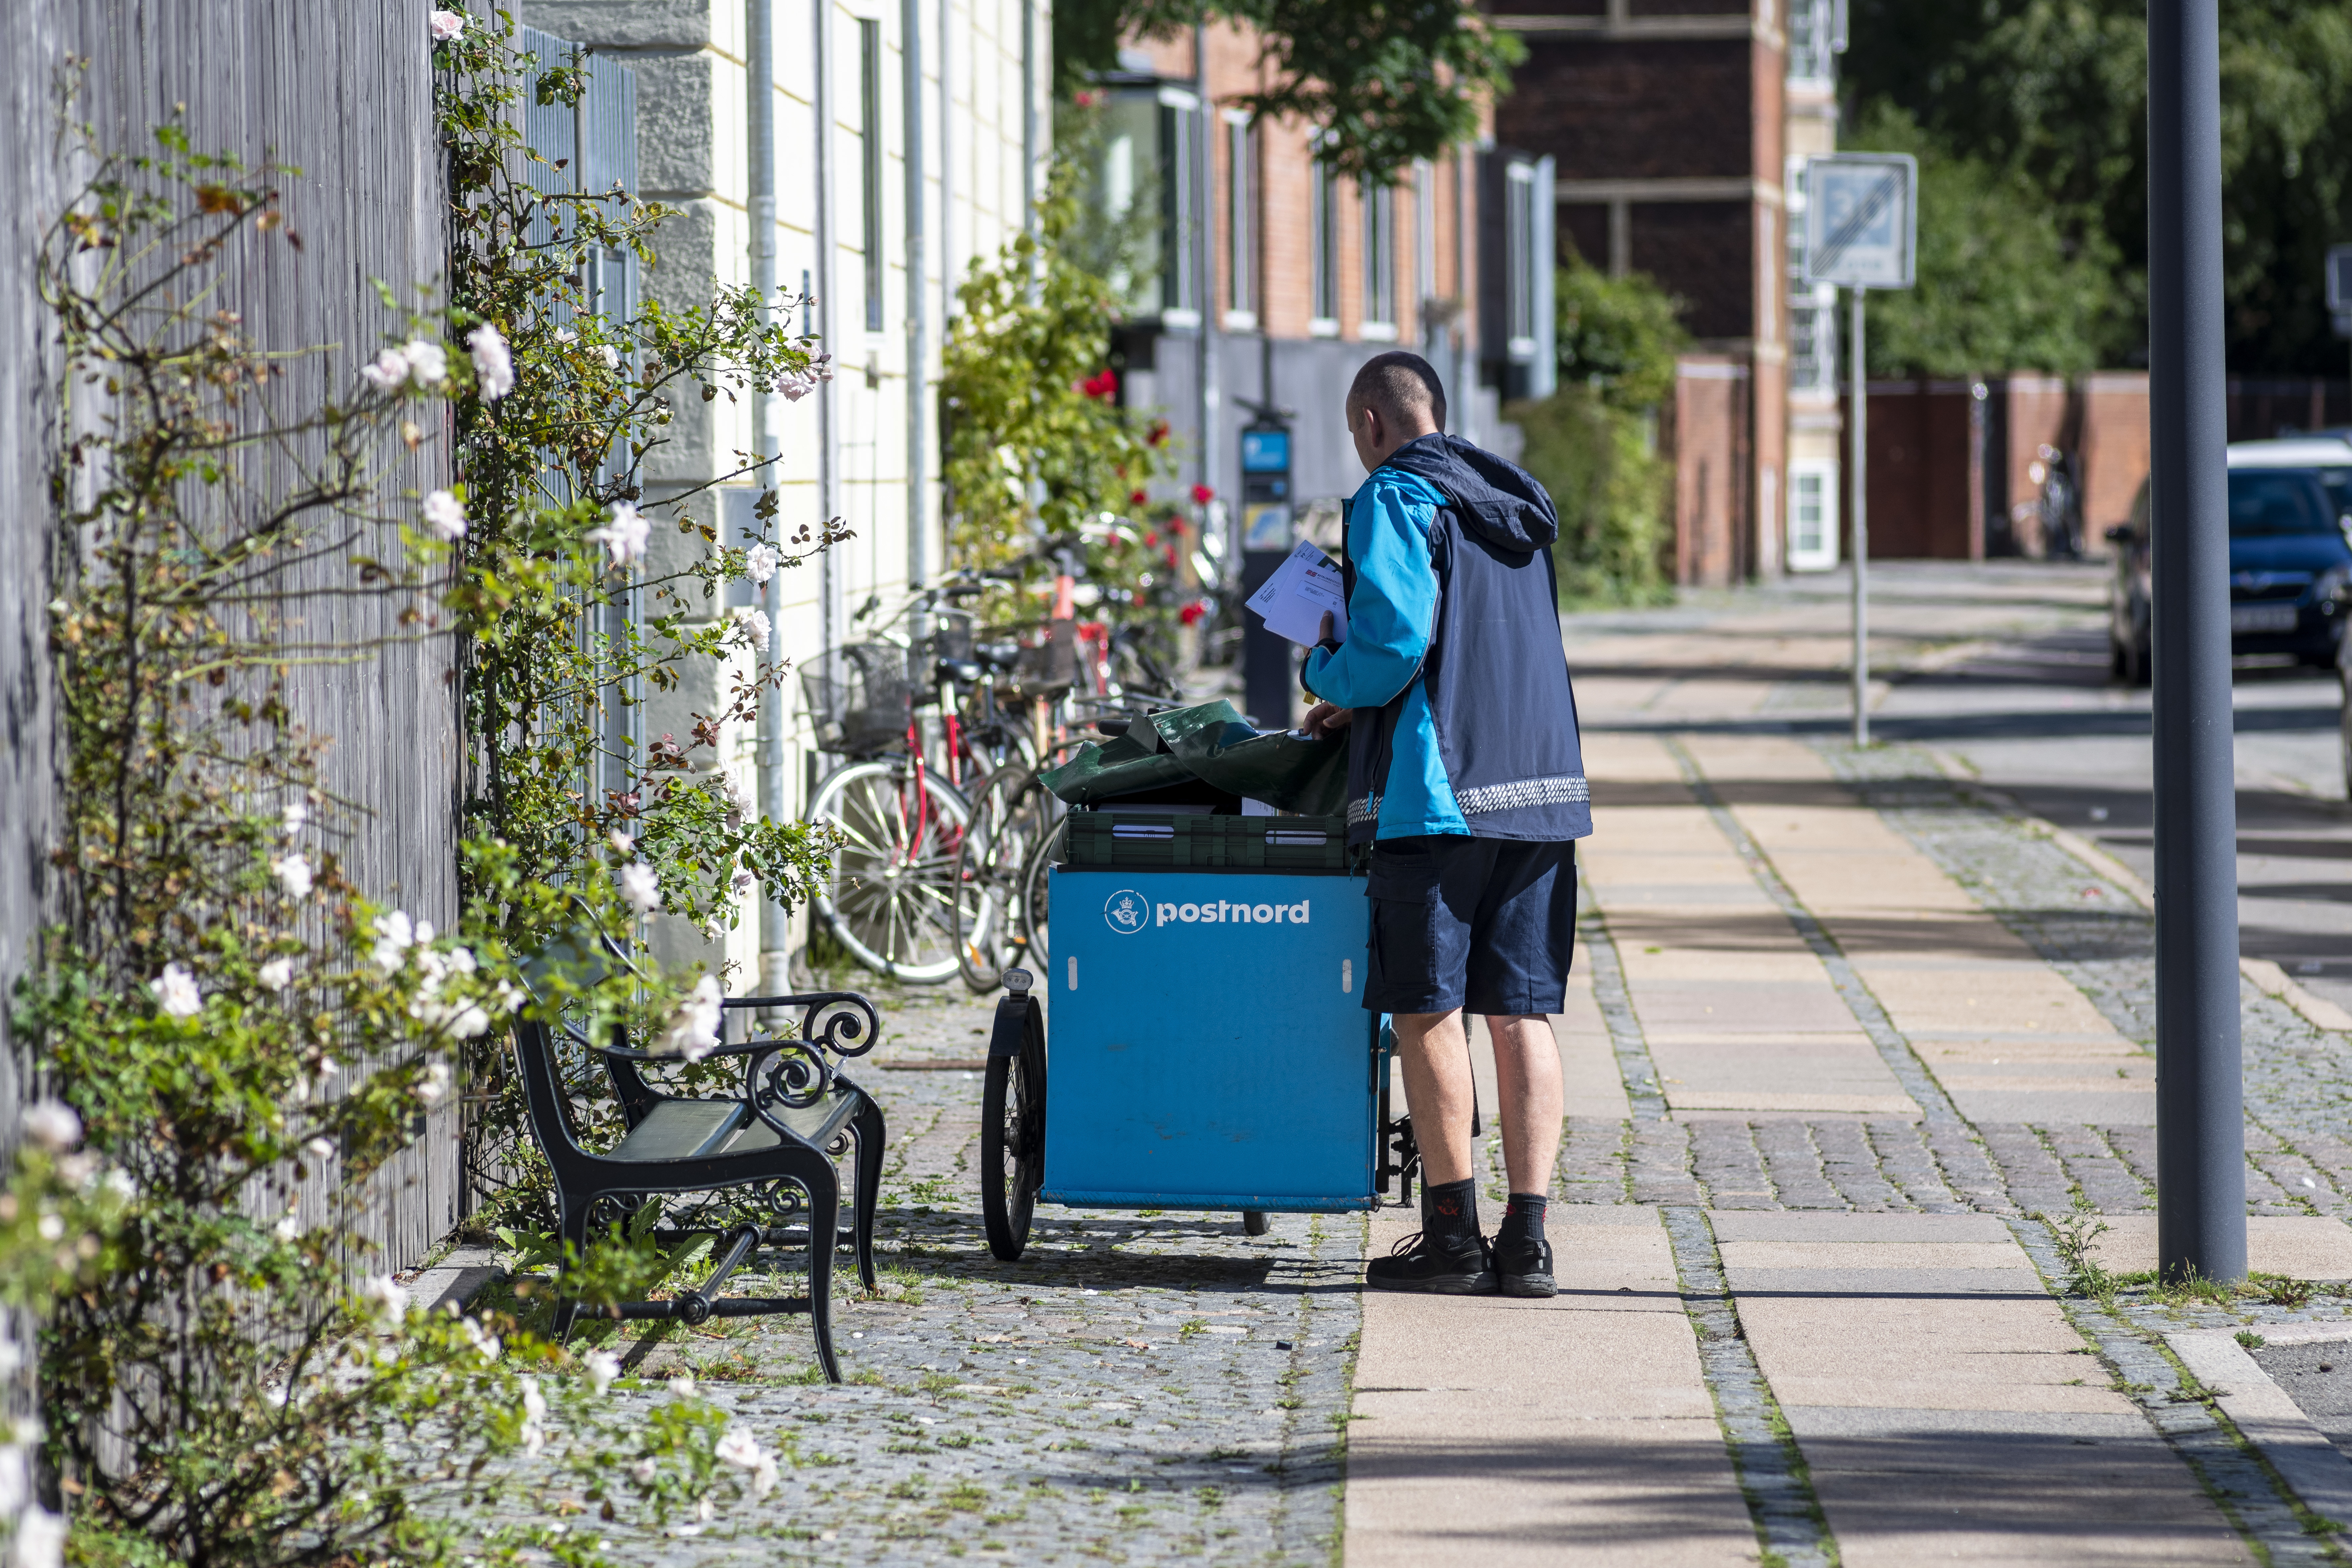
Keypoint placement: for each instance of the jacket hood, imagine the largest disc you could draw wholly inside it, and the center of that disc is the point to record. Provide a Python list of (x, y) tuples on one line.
[(1497, 499)]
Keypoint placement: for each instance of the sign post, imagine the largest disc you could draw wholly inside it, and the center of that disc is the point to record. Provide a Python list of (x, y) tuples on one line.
[(2200, 1128), (1862, 219), (2339, 288), (1268, 681)]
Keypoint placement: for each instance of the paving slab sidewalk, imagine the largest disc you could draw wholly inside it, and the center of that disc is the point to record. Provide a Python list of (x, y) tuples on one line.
[(1938, 1403)]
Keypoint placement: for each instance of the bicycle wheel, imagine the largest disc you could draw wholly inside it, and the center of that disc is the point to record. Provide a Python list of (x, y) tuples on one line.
[(1029, 905), (893, 897), (1013, 1131), (983, 890)]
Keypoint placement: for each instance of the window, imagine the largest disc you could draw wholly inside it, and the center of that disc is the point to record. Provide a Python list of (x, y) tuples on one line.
[(1812, 307), (1326, 198), (1241, 217), (1179, 288), (1518, 256), (1149, 155), (1325, 243), (1518, 259), (869, 127), (1380, 259), (1813, 515), (1816, 38)]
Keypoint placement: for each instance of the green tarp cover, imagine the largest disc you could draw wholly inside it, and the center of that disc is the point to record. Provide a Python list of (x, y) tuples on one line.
[(1214, 744)]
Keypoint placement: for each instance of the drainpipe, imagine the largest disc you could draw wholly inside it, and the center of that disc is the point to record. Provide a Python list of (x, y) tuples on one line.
[(760, 124), (1029, 120), (1205, 273), (946, 169), (833, 585), (918, 302)]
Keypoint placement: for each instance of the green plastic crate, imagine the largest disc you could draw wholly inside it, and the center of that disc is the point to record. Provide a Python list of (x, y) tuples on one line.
[(1142, 840)]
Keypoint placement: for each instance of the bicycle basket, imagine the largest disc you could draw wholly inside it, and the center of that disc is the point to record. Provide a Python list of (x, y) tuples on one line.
[(859, 698), (951, 636), (1050, 668)]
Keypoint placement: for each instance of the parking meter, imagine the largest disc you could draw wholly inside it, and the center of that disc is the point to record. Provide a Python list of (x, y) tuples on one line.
[(1269, 676)]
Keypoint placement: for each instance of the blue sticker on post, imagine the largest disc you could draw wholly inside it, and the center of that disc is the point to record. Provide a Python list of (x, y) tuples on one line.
[(1126, 912), (1265, 451)]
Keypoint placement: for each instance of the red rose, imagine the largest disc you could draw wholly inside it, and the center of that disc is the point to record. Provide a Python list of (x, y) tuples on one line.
[(1203, 495), (1138, 499), (1192, 612)]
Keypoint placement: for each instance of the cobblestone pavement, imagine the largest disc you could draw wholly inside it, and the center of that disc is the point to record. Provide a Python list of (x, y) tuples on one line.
[(1139, 1388), (1153, 1387)]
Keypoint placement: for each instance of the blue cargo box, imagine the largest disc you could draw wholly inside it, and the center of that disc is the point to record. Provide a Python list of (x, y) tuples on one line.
[(1208, 1046)]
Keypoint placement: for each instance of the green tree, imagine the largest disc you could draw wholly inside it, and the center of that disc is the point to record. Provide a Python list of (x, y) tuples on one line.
[(1617, 335), (1593, 443), (2001, 285), (1386, 80), (1041, 453), (2054, 92)]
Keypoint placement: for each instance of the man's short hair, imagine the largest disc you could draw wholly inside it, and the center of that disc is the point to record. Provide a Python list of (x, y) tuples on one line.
[(1401, 386)]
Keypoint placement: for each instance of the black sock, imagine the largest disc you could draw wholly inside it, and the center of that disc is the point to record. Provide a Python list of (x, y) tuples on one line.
[(1449, 1214), (1523, 1218)]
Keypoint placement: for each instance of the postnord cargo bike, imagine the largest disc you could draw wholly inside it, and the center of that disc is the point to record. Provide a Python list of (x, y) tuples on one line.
[(1210, 1046)]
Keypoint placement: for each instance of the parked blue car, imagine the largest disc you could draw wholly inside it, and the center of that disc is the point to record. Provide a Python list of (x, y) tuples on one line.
[(2290, 564)]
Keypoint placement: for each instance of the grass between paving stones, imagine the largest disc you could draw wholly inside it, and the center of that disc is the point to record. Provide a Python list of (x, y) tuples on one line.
[(2140, 1365)]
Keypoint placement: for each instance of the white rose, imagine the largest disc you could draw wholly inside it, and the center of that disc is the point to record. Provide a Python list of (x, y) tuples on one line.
[(446, 516), (445, 26), (434, 1087), (604, 1367), (750, 628), (394, 937), (693, 1031), (293, 874), (493, 361), (294, 817), (386, 371), (760, 563), (641, 887), (277, 975), (428, 362), (389, 1297), (175, 992), (52, 1124), (624, 536), (40, 1540)]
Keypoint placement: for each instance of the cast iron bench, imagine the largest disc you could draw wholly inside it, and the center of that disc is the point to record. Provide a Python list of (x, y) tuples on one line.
[(774, 1142)]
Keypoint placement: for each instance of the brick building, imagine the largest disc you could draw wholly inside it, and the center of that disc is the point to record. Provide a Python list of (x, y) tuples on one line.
[(1270, 281), (1677, 130)]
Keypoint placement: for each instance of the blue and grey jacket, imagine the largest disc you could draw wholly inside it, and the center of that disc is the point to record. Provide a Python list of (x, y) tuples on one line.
[(1466, 721)]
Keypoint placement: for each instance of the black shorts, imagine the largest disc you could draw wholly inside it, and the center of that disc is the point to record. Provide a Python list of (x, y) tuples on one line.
[(1484, 924)]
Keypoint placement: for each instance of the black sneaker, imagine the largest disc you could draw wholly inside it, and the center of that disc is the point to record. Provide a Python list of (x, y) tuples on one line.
[(1523, 1269), (1413, 1265)]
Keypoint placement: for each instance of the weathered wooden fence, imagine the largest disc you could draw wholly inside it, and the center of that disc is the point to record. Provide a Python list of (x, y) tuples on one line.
[(342, 89)]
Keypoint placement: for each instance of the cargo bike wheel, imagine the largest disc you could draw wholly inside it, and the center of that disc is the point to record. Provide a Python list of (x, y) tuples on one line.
[(1012, 1120)]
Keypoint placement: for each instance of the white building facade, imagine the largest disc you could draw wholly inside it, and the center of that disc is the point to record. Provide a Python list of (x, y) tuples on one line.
[(865, 153)]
